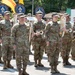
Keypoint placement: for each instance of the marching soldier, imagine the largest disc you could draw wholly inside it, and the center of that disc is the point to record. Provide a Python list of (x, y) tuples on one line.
[(1, 17), (38, 40), (66, 41), (73, 42), (20, 34), (5, 28), (52, 34)]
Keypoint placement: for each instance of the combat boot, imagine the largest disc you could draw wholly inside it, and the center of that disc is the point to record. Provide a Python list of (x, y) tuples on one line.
[(13, 54), (9, 65), (64, 62), (55, 67), (40, 64), (36, 65), (67, 62), (20, 73), (24, 72), (53, 70), (5, 65)]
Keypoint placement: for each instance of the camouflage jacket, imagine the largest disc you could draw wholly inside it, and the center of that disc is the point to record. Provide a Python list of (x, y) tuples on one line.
[(52, 31), (20, 34), (68, 35), (5, 28), (39, 27)]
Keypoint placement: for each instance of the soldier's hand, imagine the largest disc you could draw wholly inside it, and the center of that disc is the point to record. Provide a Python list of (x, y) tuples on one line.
[(33, 34), (0, 41), (38, 33), (14, 47), (47, 43)]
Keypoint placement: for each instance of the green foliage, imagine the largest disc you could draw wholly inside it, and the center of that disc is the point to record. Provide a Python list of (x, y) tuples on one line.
[(51, 5)]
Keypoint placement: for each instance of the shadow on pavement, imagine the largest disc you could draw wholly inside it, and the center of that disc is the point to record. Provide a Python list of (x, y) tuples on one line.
[(59, 74), (9, 70), (69, 66), (30, 63), (43, 68)]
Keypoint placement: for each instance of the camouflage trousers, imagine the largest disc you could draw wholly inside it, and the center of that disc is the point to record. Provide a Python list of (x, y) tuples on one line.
[(38, 51), (53, 53), (0, 52), (73, 50), (22, 57), (66, 48), (6, 49)]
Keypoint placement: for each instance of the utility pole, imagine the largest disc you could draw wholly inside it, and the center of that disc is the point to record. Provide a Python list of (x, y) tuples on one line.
[(32, 7)]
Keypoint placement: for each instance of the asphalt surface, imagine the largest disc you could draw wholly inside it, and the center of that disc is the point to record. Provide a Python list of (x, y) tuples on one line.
[(67, 70)]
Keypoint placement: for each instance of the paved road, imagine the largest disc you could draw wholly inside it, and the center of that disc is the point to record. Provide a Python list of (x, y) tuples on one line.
[(68, 70)]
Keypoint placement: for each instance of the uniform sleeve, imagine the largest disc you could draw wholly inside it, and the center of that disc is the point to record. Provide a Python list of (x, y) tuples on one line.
[(47, 30), (1, 31), (13, 34)]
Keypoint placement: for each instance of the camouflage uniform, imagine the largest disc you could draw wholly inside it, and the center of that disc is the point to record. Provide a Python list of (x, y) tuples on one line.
[(0, 44), (38, 42), (5, 28), (66, 44), (53, 37), (0, 48), (73, 43), (20, 35)]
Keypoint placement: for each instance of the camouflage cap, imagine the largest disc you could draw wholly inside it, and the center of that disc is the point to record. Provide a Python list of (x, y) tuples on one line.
[(55, 15), (22, 15)]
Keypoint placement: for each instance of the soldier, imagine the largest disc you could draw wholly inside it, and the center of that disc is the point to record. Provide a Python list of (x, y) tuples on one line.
[(20, 41), (52, 34), (66, 41), (38, 39), (5, 27), (73, 42), (1, 17)]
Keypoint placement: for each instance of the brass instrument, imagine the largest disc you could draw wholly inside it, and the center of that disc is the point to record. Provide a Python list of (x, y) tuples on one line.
[(63, 24), (40, 32)]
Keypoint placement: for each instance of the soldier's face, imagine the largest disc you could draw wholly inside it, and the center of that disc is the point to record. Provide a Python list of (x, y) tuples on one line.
[(7, 17), (39, 17), (22, 19), (67, 18), (55, 18)]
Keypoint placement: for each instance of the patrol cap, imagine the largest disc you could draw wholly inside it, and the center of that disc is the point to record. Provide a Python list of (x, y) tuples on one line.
[(55, 15), (39, 12), (22, 15), (7, 13)]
